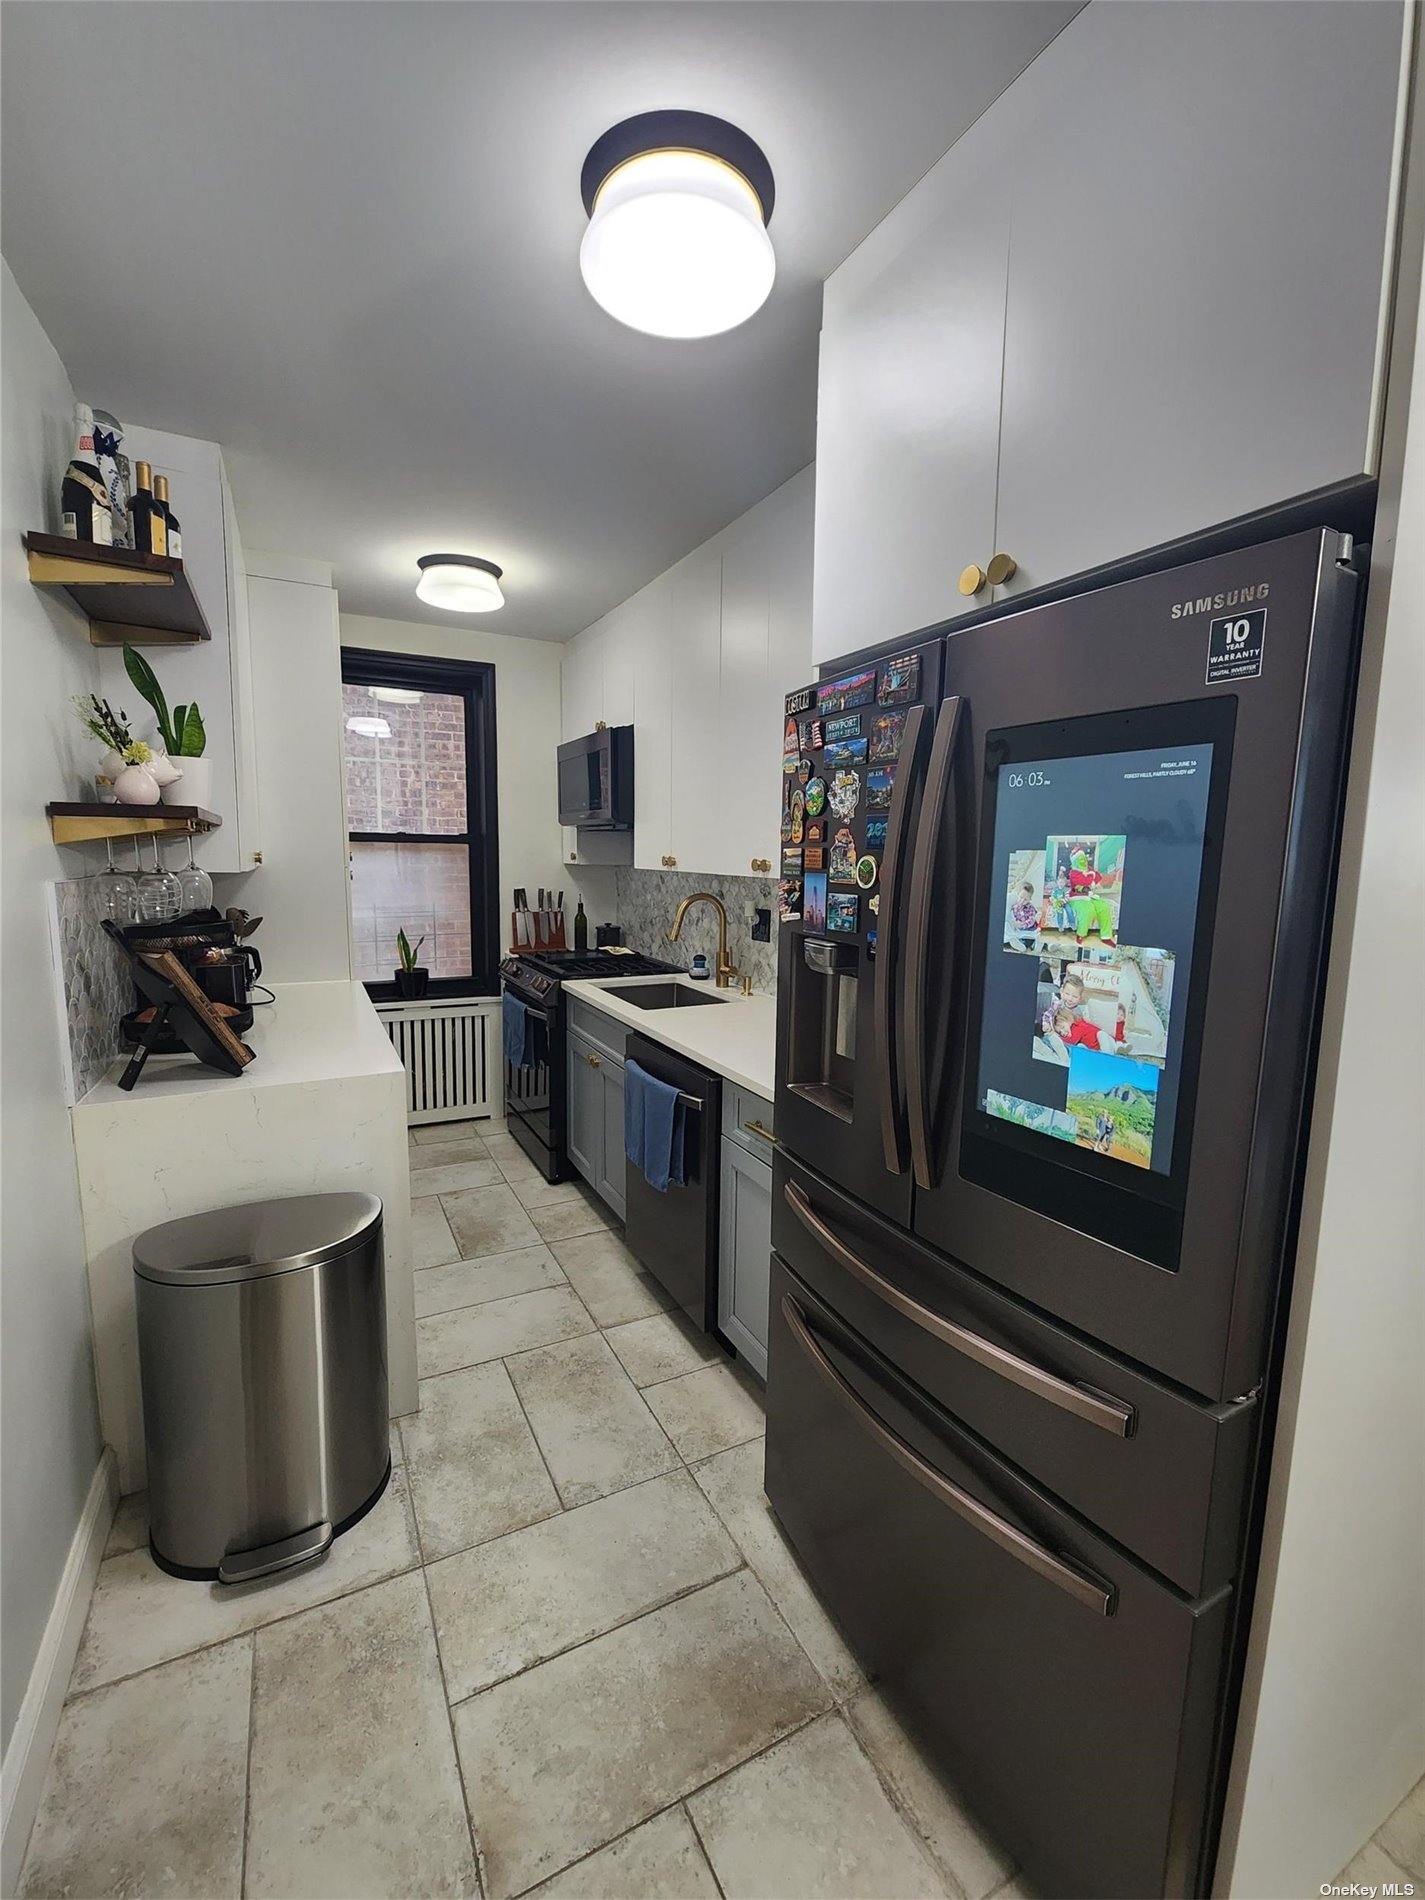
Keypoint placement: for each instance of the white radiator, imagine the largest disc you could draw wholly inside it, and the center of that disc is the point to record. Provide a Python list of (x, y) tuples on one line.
[(452, 1055)]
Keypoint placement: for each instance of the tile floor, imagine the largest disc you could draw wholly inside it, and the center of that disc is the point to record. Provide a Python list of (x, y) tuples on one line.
[(568, 1655)]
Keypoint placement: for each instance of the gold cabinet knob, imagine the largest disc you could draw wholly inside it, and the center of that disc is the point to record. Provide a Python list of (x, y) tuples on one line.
[(972, 579), (670, 862), (593, 1061), (1002, 568), (761, 864)]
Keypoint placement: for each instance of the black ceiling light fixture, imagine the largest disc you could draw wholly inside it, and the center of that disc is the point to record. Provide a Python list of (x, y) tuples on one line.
[(678, 206)]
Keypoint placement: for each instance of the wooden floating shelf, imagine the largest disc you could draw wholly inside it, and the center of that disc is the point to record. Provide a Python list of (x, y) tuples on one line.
[(80, 824), (142, 599)]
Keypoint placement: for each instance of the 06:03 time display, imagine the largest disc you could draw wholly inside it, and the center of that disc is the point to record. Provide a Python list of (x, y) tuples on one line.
[(1018, 780)]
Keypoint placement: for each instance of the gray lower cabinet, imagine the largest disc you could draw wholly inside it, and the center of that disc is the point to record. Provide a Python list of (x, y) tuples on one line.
[(745, 1263), (594, 1136)]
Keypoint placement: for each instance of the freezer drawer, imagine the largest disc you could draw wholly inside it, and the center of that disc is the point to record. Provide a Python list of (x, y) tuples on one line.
[(1161, 1473), (1071, 1694)]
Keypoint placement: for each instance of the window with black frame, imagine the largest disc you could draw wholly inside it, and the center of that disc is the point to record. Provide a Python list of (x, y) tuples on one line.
[(419, 750)]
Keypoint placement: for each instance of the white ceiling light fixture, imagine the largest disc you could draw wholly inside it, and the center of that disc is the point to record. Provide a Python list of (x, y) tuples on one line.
[(396, 695), (677, 244), (460, 583), (369, 726)]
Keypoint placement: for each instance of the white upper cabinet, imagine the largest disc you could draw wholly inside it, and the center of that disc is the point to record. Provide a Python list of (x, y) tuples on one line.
[(1199, 239), (1145, 293), (908, 407), (701, 747)]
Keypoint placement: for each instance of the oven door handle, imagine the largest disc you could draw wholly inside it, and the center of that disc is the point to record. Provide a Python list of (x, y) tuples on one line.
[(1087, 1591), (1095, 1408), (888, 1082), (932, 809)]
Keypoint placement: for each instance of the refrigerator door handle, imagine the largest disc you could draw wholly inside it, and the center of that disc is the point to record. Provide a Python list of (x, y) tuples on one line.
[(1084, 1590), (937, 786), (1108, 1413), (893, 1132)]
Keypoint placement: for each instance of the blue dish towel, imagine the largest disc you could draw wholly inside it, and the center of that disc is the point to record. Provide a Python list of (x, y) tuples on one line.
[(519, 1033), (653, 1128)]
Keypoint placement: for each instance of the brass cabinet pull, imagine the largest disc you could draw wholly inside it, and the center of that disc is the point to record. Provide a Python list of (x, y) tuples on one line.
[(973, 579), (1008, 1537), (593, 1061), (1101, 1409), (761, 864), (1002, 568), (764, 1134), (668, 862)]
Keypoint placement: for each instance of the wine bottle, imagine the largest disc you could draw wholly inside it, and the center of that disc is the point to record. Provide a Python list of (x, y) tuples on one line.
[(150, 530), (581, 928), (170, 520), (83, 499)]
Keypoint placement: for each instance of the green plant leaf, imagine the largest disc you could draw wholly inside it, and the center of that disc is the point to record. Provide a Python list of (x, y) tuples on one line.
[(180, 713), (146, 683), (191, 736), (404, 951)]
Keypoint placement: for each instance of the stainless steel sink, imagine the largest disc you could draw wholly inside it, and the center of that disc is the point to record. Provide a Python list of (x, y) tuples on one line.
[(666, 996)]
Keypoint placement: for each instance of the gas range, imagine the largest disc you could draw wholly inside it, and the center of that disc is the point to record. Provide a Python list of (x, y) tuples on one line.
[(540, 973)]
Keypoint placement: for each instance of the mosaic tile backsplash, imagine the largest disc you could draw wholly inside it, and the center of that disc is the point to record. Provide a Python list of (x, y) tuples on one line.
[(648, 901), (95, 980)]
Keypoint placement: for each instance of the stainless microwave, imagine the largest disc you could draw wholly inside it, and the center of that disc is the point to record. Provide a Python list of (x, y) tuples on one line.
[(596, 780)]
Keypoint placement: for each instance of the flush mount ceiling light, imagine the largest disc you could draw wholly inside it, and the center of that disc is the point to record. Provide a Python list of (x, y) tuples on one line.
[(678, 207), (396, 695), (461, 583), (369, 726)]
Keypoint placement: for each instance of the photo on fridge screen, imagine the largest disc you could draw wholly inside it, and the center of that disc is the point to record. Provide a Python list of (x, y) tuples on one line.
[(1024, 904), (1114, 1103), (1118, 1002), (814, 900), (1035, 1115), (1083, 887)]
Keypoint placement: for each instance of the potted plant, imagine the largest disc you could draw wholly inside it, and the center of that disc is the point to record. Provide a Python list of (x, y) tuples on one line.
[(129, 771), (183, 736), (411, 980)]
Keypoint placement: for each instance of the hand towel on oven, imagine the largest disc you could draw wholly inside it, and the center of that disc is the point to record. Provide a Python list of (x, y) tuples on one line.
[(519, 1033), (652, 1128)]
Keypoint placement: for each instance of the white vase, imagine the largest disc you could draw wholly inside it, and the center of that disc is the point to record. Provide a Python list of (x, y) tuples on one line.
[(195, 787), (166, 770), (136, 785), (107, 770)]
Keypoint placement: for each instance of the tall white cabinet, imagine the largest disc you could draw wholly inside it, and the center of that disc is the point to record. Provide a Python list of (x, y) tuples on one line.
[(698, 662)]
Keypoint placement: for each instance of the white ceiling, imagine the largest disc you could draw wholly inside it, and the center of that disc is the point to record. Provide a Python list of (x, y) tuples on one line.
[(342, 240)]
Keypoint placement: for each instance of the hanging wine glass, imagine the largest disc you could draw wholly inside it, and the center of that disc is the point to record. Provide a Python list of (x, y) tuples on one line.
[(159, 895), (194, 885), (117, 892)]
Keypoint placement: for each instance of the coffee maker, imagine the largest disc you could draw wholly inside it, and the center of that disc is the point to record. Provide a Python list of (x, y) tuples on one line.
[(207, 944)]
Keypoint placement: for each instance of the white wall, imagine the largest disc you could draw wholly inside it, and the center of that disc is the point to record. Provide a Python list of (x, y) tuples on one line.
[(50, 1422), (1333, 1723), (526, 736), (300, 891)]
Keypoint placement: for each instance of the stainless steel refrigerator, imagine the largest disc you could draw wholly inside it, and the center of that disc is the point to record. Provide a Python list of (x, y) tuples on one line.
[(1046, 1035)]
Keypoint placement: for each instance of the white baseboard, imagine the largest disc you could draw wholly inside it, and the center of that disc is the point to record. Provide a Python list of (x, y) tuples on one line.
[(22, 1773)]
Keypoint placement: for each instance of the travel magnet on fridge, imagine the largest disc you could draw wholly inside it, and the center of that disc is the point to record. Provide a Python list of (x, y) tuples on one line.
[(842, 911)]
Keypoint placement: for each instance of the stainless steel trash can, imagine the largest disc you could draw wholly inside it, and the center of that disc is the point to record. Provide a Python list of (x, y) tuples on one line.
[(262, 1349)]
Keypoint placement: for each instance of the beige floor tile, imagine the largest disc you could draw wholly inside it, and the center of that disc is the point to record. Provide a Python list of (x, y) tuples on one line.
[(1403, 1835), (593, 1428), (472, 1334), (453, 1177), (432, 1133), (1372, 1871), (488, 1220), (708, 1411), (568, 1756), (129, 1531), (661, 1860), (608, 1279), (144, 1793), (432, 1242), (662, 1347), (355, 1789), (450, 1154), (504, 1148), (496, 1277), (474, 1469), (962, 1849), (526, 1597), (537, 1192), (733, 1482), (567, 1219), (810, 1818), (141, 1616)]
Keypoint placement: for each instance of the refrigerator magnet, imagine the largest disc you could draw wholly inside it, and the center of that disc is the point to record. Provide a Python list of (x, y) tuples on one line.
[(842, 908), (846, 726), (845, 793), (792, 863), (900, 680), (845, 752), (878, 789), (816, 834), (839, 696), (799, 806), (843, 858), (867, 871), (789, 900), (887, 731), (791, 748), (814, 858), (804, 770), (817, 734), (876, 826), (787, 825), (814, 900), (800, 700), (873, 903), (815, 797)]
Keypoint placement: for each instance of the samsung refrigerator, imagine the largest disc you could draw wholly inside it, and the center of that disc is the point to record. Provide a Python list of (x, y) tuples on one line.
[(1055, 897)]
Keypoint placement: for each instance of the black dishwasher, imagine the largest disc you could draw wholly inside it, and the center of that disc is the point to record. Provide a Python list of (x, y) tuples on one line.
[(674, 1234)]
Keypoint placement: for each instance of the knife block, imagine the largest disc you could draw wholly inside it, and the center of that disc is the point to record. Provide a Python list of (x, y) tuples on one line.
[(555, 940)]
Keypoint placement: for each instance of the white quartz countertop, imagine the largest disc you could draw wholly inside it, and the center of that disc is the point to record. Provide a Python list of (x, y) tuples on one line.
[(736, 1036), (314, 1032)]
